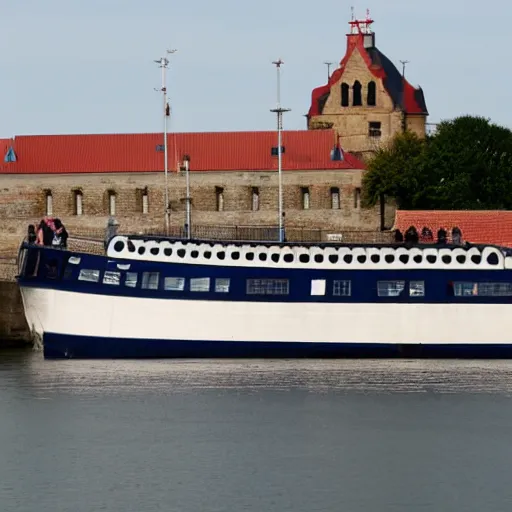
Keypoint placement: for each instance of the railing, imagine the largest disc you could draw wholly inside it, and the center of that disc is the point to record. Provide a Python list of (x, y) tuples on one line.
[(271, 233)]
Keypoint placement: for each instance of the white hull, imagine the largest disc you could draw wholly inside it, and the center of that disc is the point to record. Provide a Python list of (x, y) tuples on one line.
[(104, 316)]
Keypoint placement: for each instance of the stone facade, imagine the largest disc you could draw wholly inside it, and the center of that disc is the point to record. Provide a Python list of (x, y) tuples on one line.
[(323, 199), (365, 119), (352, 122)]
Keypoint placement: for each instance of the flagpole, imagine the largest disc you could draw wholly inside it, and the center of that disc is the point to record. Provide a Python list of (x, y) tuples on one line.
[(164, 64)]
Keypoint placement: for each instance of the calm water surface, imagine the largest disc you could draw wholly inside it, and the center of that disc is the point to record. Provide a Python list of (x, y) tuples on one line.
[(254, 435)]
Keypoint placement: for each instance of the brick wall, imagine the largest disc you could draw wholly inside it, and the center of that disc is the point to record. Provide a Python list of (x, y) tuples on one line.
[(23, 201)]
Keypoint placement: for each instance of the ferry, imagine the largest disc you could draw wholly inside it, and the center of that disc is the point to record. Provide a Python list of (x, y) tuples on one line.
[(158, 297)]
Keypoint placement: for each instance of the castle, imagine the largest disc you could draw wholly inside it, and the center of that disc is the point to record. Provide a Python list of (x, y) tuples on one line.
[(366, 100), (84, 179)]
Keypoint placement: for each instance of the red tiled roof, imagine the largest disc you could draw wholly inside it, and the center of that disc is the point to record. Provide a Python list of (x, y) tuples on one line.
[(477, 226), (224, 151)]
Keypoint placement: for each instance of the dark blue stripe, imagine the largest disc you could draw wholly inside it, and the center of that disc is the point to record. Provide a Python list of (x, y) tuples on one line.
[(58, 346)]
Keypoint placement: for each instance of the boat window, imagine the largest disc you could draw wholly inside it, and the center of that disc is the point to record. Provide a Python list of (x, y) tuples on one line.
[(417, 288), (92, 276), (150, 280), (74, 260), (468, 289), (200, 284), (342, 288), (222, 285), (68, 272), (111, 277), (174, 284), (390, 288), (268, 286), (130, 279), (317, 286)]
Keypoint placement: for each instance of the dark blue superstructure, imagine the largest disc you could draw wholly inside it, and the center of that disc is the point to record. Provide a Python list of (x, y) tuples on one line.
[(55, 271)]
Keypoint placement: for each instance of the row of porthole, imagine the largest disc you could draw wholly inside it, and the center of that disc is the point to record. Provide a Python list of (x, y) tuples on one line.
[(492, 259)]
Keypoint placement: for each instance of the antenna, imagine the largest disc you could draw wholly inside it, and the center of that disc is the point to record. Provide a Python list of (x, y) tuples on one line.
[(328, 64), (404, 63), (164, 64), (279, 113), (404, 122)]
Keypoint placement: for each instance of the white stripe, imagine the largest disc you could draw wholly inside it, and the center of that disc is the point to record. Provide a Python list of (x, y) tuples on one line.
[(126, 317)]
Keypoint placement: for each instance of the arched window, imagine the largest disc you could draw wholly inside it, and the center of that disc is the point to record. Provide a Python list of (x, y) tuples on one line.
[(145, 201), (255, 202), (78, 196), (335, 198), (357, 198), (344, 94), (219, 198), (49, 203), (111, 203), (356, 94), (305, 198), (371, 98)]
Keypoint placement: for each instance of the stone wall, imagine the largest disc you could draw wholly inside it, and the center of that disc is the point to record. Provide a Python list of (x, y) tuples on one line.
[(13, 327), (23, 200)]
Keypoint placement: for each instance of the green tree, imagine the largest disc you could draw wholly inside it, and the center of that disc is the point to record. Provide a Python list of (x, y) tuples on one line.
[(467, 164)]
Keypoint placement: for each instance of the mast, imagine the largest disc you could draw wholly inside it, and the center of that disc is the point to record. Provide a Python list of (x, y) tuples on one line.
[(164, 64), (279, 113)]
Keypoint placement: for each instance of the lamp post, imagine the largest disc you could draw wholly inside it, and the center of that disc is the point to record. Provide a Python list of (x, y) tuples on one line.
[(279, 111)]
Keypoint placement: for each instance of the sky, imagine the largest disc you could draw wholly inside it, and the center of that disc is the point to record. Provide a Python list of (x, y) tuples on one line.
[(75, 66)]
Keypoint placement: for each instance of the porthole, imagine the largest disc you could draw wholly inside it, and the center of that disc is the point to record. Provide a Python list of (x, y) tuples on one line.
[(304, 258), (389, 258), (168, 251), (348, 258), (288, 258), (431, 258), (404, 258), (361, 258), (492, 259), (207, 254), (249, 256), (275, 257), (319, 258), (141, 250), (118, 246), (375, 258), (235, 255), (221, 255), (154, 251), (263, 256), (181, 253), (447, 259), (476, 259), (131, 247), (461, 258), (333, 258), (418, 258), (194, 254)]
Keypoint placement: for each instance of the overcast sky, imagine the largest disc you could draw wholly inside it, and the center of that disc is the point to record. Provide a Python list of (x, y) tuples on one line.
[(75, 66)]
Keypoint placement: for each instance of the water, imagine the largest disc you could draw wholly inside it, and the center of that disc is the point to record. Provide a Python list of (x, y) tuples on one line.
[(254, 436)]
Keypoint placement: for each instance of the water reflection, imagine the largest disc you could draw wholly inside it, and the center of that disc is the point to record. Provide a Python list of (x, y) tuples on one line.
[(26, 369)]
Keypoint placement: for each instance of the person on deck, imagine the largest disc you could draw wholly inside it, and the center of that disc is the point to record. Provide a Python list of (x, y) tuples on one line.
[(60, 235)]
